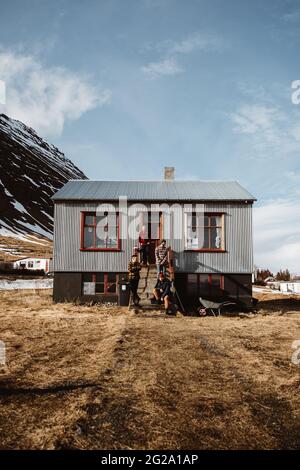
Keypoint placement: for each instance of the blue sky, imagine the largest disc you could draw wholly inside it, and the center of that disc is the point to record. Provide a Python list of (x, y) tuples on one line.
[(124, 88)]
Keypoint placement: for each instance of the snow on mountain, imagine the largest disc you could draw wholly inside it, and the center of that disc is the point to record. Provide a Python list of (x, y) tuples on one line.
[(31, 171)]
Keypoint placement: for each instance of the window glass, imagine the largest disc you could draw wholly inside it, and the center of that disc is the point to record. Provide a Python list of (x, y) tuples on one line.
[(100, 242), (111, 277), (204, 285), (192, 280), (208, 237), (99, 288), (99, 277), (215, 238), (112, 243), (215, 220), (111, 283), (216, 285), (88, 237), (101, 231), (154, 225), (87, 277), (89, 219)]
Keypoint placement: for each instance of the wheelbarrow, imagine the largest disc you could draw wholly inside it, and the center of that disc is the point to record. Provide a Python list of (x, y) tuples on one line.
[(213, 307)]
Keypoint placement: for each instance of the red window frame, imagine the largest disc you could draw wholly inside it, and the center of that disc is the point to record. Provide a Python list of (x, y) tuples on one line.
[(210, 293), (209, 215), (94, 248), (105, 282)]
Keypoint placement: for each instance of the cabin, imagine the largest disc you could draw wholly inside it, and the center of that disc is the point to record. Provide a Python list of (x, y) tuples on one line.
[(34, 264), (207, 226)]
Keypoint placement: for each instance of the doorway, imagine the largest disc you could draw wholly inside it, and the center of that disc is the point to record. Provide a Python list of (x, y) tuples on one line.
[(152, 222)]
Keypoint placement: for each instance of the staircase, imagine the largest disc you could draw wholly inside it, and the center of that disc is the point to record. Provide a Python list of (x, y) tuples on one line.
[(148, 279), (146, 285)]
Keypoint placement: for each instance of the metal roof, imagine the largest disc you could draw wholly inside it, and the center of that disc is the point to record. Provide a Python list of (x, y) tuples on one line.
[(86, 190)]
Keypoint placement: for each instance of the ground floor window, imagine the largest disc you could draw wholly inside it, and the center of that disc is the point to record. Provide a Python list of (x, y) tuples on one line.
[(205, 285), (99, 283)]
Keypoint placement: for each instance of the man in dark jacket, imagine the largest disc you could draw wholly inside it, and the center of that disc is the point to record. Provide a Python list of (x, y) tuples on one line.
[(162, 290), (134, 268)]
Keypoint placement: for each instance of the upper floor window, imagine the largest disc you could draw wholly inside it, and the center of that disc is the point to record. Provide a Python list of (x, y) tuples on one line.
[(204, 232), (100, 231)]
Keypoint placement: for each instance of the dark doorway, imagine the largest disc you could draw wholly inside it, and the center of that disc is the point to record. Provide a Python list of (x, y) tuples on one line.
[(152, 221)]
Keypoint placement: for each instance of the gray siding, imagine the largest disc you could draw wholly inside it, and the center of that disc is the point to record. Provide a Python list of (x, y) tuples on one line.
[(238, 257)]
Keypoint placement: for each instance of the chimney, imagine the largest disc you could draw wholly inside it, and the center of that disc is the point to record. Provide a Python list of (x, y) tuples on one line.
[(169, 173)]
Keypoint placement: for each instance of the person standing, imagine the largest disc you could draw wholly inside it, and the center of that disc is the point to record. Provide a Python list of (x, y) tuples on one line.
[(134, 268), (161, 257), (144, 246)]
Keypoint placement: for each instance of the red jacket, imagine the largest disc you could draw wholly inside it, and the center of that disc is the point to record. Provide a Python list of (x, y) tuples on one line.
[(142, 238)]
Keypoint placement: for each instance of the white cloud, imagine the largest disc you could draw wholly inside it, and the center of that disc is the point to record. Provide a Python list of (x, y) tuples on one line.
[(45, 97), (170, 50), (277, 235), (271, 132), (250, 119), (194, 42), (165, 67)]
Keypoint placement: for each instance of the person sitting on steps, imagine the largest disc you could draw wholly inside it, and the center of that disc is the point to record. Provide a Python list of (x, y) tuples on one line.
[(134, 268), (162, 291), (161, 257)]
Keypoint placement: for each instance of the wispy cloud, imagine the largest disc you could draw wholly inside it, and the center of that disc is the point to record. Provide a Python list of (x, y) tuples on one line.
[(272, 133), (165, 67), (170, 51), (46, 97), (250, 119), (195, 42), (292, 17)]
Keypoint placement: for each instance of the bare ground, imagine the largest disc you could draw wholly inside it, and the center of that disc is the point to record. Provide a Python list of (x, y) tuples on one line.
[(104, 378)]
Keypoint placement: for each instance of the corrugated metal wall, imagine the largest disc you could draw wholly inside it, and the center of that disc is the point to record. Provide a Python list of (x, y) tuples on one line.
[(238, 257)]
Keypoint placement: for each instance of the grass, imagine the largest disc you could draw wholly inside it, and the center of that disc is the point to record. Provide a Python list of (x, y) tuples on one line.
[(104, 378), (12, 248)]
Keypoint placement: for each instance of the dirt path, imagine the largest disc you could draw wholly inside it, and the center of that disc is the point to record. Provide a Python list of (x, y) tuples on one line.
[(88, 377)]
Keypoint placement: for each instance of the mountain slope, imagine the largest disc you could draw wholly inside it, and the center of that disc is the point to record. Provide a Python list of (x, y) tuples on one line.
[(31, 171)]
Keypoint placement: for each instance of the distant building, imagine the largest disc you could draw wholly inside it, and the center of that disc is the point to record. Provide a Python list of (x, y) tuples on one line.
[(270, 280), (33, 264), (290, 287)]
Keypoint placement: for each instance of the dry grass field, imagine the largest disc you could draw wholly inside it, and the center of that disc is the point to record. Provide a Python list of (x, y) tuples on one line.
[(82, 377)]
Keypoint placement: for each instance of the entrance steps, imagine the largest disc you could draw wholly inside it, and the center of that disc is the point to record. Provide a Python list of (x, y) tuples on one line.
[(148, 279)]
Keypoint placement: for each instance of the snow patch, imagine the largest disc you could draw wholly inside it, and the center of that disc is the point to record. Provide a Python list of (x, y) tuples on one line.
[(26, 284)]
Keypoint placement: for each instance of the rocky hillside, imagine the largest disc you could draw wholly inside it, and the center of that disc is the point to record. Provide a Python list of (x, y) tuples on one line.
[(31, 171)]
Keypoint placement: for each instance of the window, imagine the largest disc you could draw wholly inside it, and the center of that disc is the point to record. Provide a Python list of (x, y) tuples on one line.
[(30, 264), (100, 231), (205, 285), (204, 232), (99, 283)]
